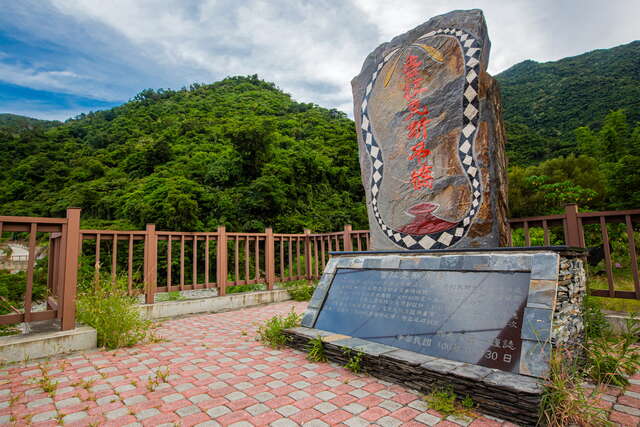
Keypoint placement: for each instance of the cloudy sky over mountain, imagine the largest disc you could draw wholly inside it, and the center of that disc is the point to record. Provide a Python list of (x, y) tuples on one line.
[(59, 58)]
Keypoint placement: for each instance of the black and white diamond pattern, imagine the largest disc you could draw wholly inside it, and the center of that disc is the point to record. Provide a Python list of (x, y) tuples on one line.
[(471, 50)]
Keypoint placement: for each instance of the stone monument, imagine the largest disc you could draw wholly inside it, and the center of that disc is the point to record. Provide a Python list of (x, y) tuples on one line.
[(431, 138), (438, 302)]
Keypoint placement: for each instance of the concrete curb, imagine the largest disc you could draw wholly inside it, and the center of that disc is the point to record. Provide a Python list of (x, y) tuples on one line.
[(17, 348), (169, 309)]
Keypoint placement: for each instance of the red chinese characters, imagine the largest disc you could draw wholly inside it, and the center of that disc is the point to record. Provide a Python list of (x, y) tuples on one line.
[(421, 178), (418, 121)]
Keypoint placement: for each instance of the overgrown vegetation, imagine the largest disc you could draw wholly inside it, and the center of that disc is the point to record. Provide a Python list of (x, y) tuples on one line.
[(316, 350), (112, 312), (608, 360), (611, 358), (565, 400), (444, 400), (271, 332), (300, 290)]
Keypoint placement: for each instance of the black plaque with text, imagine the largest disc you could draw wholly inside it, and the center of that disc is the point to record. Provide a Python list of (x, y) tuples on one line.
[(468, 316)]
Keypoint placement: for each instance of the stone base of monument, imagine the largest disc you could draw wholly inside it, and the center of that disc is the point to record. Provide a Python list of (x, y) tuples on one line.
[(482, 321), (501, 394)]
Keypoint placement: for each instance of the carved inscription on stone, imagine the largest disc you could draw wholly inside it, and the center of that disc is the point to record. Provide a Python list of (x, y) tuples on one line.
[(473, 317)]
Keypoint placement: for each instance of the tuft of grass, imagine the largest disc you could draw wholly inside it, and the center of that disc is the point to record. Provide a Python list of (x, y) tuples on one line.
[(300, 290), (564, 400), (7, 330), (595, 324), (270, 333), (113, 313), (354, 364), (444, 400), (236, 289), (46, 383), (611, 359), (170, 296), (163, 374), (316, 350), (468, 403), (152, 383)]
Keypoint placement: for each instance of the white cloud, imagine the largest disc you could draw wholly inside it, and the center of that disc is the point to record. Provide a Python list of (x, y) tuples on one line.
[(64, 81), (310, 49)]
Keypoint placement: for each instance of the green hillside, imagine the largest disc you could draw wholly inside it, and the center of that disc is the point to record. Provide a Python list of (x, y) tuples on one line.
[(545, 103), (239, 153), (14, 123)]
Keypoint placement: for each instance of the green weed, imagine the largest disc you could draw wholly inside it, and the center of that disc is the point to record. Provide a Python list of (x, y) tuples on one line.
[(270, 333), (443, 400), (163, 374), (113, 313), (236, 289), (46, 383), (170, 296), (467, 403), (300, 290), (354, 364), (316, 350), (595, 324)]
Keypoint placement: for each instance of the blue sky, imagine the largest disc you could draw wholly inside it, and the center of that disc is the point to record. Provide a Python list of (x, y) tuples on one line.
[(59, 58)]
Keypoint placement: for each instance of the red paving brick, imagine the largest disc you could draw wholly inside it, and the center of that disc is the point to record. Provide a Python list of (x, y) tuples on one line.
[(217, 372)]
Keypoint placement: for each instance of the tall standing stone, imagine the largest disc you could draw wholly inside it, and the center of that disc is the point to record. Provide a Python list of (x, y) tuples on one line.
[(431, 138)]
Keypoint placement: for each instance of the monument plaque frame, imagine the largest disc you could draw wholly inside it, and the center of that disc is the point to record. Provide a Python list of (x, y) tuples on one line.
[(538, 312)]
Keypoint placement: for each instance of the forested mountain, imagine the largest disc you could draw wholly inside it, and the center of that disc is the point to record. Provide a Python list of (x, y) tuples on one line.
[(13, 123), (545, 102), (242, 153), (239, 153)]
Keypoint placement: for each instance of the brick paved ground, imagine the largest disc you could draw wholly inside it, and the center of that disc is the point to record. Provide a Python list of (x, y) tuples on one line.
[(211, 372)]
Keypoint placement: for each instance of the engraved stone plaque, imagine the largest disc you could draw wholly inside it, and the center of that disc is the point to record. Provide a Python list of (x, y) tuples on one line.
[(467, 316)]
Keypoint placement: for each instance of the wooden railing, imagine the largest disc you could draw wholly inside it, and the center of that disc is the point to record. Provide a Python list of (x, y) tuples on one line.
[(64, 239), (152, 261), (180, 261), (570, 228)]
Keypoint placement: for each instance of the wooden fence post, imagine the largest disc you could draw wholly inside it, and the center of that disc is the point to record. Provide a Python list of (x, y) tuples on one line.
[(346, 237), (150, 263), (222, 261), (67, 305), (307, 254), (269, 258), (574, 231)]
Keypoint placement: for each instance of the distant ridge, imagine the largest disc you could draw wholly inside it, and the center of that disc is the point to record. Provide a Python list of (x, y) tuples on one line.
[(16, 123), (545, 102)]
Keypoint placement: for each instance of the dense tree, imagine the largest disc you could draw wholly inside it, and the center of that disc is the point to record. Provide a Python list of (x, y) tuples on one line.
[(239, 152)]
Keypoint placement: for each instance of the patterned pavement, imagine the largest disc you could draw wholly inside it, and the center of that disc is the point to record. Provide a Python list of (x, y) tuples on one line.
[(210, 371)]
